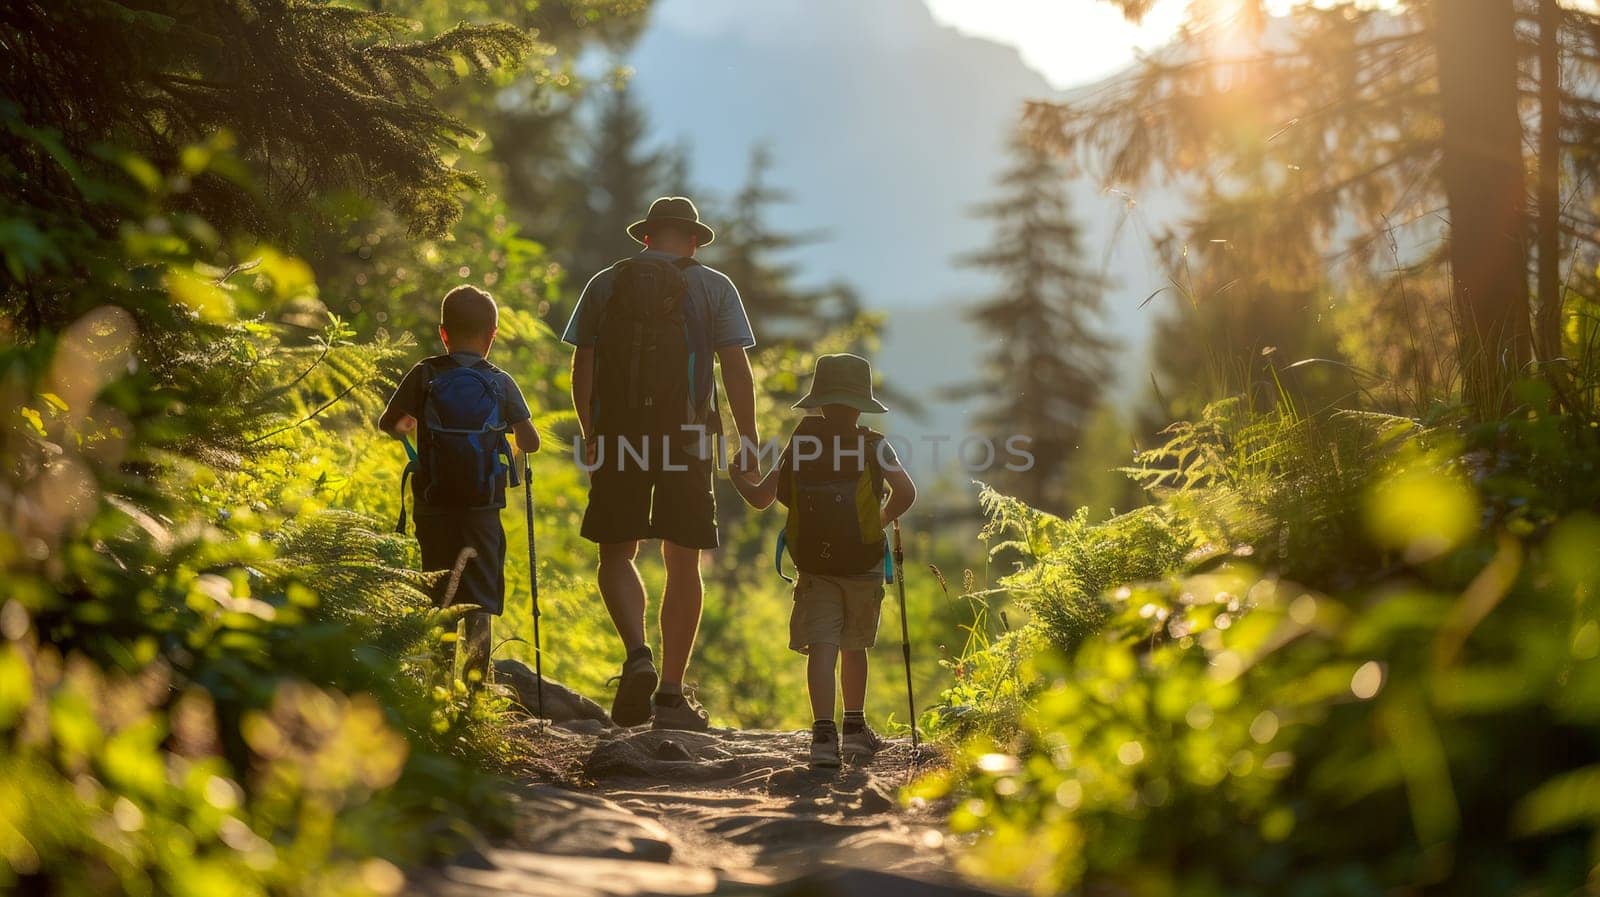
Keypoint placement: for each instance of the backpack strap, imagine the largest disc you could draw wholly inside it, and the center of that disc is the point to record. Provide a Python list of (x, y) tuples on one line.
[(870, 440), (513, 478), (405, 477), (777, 555), (430, 366), (873, 438)]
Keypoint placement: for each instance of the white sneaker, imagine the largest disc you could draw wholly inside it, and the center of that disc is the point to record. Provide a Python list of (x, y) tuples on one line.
[(862, 744), (824, 748)]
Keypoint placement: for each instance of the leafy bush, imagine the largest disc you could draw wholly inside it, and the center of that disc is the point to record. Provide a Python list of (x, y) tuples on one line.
[(1064, 570), (1426, 720), (208, 681)]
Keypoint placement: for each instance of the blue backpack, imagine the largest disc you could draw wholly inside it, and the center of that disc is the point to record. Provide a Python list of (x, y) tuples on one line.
[(463, 458)]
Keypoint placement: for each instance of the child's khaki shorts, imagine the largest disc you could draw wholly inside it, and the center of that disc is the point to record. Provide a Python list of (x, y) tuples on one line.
[(835, 610)]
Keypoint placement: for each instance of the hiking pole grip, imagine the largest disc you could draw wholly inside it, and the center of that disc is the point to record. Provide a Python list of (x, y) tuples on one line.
[(905, 632), (533, 582)]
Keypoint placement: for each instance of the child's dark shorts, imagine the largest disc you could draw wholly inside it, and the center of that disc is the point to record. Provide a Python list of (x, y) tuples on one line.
[(835, 610), (443, 536)]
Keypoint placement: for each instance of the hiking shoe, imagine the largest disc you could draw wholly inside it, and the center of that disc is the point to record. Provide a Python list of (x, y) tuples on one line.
[(861, 744), (824, 747), (684, 713), (636, 682)]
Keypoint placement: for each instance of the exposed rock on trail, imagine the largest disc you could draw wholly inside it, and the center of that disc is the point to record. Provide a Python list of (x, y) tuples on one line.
[(719, 812), (561, 704)]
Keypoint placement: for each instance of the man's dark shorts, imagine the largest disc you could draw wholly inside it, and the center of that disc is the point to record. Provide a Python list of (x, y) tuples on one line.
[(442, 536), (628, 503)]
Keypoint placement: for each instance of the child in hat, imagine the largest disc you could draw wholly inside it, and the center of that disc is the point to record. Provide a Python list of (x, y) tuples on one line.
[(842, 485)]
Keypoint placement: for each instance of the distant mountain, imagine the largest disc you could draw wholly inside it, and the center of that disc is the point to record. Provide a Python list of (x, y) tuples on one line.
[(887, 128)]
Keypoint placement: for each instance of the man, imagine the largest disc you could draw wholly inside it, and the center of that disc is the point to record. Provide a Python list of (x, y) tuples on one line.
[(669, 496)]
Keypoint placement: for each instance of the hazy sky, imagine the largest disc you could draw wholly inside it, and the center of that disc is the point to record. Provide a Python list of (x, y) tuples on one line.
[(1070, 42), (1074, 42)]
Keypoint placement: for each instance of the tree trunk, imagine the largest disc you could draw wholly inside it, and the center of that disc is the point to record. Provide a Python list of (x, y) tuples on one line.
[(1482, 171), (1547, 336)]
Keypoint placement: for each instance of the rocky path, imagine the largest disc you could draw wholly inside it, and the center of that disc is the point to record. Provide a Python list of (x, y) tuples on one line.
[(722, 812)]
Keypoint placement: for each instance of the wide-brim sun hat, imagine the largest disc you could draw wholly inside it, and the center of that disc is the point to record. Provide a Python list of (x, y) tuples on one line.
[(842, 379), (672, 208)]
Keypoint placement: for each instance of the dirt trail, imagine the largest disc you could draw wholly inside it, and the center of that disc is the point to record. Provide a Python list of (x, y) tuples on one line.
[(722, 812)]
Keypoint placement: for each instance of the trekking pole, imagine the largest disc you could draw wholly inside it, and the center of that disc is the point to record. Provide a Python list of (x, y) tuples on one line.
[(905, 634), (533, 583)]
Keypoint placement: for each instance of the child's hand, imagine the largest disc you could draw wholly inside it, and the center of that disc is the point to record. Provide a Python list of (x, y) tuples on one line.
[(745, 483), (757, 491)]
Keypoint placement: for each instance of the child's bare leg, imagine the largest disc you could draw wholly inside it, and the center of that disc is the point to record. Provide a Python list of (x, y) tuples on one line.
[(853, 678), (819, 679), (479, 644)]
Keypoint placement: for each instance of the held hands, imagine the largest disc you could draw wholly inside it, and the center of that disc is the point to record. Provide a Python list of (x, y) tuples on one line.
[(758, 491), (749, 477), (746, 465)]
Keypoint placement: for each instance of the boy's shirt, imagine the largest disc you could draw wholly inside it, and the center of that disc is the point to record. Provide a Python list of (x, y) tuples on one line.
[(407, 399)]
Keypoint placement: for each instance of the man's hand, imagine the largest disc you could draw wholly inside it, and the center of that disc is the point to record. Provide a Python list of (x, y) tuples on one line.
[(746, 462)]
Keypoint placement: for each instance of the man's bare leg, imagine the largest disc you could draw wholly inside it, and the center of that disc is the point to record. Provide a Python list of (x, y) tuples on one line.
[(623, 591), (681, 602)]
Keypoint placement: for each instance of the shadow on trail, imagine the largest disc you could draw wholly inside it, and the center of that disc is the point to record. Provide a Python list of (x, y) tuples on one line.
[(718, 812)]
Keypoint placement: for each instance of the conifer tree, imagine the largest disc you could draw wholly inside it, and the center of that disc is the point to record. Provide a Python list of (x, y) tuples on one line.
[(1048, 362), (620, 179), (1378, 129), (755, 255), (315, 100)]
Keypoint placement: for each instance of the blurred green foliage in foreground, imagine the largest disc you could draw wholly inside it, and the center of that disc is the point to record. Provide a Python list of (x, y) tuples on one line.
[(1345, 655)]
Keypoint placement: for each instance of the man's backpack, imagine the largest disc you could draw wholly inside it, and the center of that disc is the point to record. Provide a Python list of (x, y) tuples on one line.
[(645, 361), (463, 457), (834, 502)]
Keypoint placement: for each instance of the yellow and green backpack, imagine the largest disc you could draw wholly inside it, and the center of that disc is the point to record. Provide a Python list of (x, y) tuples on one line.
[(834, 501)]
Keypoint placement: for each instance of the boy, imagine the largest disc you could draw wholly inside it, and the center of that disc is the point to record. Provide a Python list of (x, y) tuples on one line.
[(460, 406), (831, 477)]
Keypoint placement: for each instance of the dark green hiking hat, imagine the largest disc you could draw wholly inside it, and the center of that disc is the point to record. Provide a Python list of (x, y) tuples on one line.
[(842, 380), (672, 208)]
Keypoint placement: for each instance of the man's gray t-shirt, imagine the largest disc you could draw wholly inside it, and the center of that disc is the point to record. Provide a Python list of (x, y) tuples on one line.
[(712, 312), (713, 309)]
